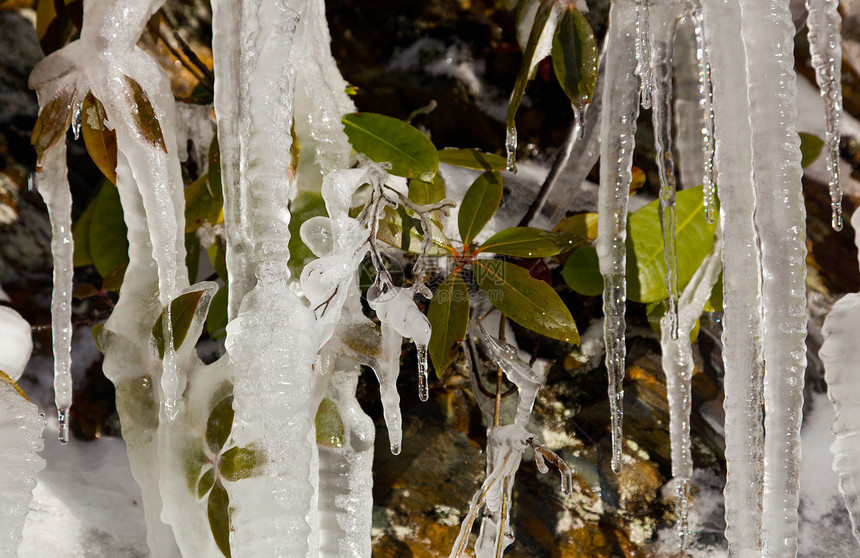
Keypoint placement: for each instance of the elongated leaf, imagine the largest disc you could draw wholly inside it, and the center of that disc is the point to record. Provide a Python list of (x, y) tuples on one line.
[(99, 141), (530, 55), (386, 139), (239, 463), (85, 290), (194, 460), (51, 124), (217, 253), (449, 317), (397, 221), (144, 115), (216, 320), (529, 302), (810, 148), (205, 484), (574, 56), (182, 310), (329, 425), (55, 29), (581, 272), (113, 280), (577, 230), (522, 242), (479, 205), (108, 242), (201, 206), (192, 255), (425, 193), (220, 424), (218, 510), (471, 159)]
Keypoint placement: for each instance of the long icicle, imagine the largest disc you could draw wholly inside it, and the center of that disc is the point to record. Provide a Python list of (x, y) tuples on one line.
[(825, 48), (742, 356), (618, 131), (643, 52), (780, 218), (706, 99)]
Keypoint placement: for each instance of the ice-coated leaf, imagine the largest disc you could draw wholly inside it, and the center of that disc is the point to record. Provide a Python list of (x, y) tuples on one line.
[(99, 141), (574, 56), (218, 510), (810, 148), (6, 378), (386, 139), (239, 463), (216, 319), (542, 17), (425, 193), (577, 230), (201, 206), (449, 318), (206, 482), (329, 425), (182, 310), (479, 205), (391, 227), (52, 123), (195, 458), (471, 159), (220, 424), (97, 332), (113, 280), (107, 240), (144, 115), (529, 302), (581, 272), (522, 242)]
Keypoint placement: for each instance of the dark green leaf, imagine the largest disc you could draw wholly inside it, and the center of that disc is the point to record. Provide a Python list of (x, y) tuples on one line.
[(387, 139), (113, 280), (449, 317), (581, 272), (81, 236), (471, 159), (522, 242), (216, 320), (305, 206), (182, 311), (810, 148), (329, 425), (529, 302), (391, 228), (55, 29), (52, 123), (218, 510), (207, 481), (239, 463), (108, 245), (99, 141), (542, 17), (220, 424), (214, 169), (217, 252), (192, 256), (577, 230), (97, 333), (85, 290), (144, 115), (715, 303), (201, 206), (479, 205), (195, 459), (425, 193), (574, 56)]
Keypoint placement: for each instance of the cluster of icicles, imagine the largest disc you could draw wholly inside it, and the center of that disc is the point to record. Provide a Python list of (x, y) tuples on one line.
[(274, 73)]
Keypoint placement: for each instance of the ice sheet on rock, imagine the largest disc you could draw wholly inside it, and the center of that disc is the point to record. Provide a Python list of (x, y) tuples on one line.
[(21, 426), (617, 141), (16, 342), (825, 49)]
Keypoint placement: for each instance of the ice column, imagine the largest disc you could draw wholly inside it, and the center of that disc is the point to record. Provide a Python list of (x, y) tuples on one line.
[(618, 130)]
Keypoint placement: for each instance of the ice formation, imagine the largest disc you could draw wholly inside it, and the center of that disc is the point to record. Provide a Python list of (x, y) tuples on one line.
[(16, 343)]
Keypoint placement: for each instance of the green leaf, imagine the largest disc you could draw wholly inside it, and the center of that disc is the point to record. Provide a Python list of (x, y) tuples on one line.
[(113, 280), (99, 141), (182, 310), (574, 56), (218, 510), (522, 242), (220, 424), (425, 193), (194, 460), (85, 290), (108, 244), (239, 463), (144, 115), (81, 236), (387, 139), (214, 169), (217, 252), (810, 148), (529, 302), (192, 256), (471, 159), (97, 332), (216, 320), (646, 266), (449, 317), (715, 303), (329, 425), (51, 124), (581, 272), (201, 206), (577, 230), (305, 206), (207, 481), (479, 205), (395, 221)]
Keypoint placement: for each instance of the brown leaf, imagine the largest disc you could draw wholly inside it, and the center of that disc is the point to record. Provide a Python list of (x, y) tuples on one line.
[(52, 123), (144, 115), (100, 142)]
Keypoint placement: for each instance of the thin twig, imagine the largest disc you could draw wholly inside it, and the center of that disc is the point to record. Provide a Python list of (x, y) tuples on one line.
[(186, 50)]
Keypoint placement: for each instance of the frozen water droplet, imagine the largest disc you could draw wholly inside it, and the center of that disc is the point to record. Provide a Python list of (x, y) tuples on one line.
[(395, 449), (63, 425), (423, 390), (32, 183), (616, 410), (76, 119), (511, 148), (578, 111), (682, 510)]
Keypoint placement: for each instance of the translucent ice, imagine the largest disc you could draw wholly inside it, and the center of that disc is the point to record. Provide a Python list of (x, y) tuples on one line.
[(16, 342)]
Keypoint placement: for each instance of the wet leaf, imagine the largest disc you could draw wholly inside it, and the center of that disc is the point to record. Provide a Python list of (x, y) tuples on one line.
[(542, 18), (425, 193), (99, 141), (449, 317), (810, 148), (574, 56), (206, 482), (220, 424), (329, 425), (479, 205), (218, 510), (577, 230), (529, 302), (471, 159), (107, 238), (395, 221), (51, 124), (386, 139), (144, 115), (522, 242), (239, 463), (182, 310), (581, 272), (216, 320)]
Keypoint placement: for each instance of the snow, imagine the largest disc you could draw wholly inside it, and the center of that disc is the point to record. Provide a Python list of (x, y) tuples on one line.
[(16, 342)]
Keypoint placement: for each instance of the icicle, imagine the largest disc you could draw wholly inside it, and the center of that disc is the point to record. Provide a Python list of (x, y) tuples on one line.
[(825, 48), (423, 389), (742, 354), (76, 117), (780, 218), (688, 115), (618, 130), (54, 188), (643, 52), (664, 15), (511, 149), (706, 101)]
